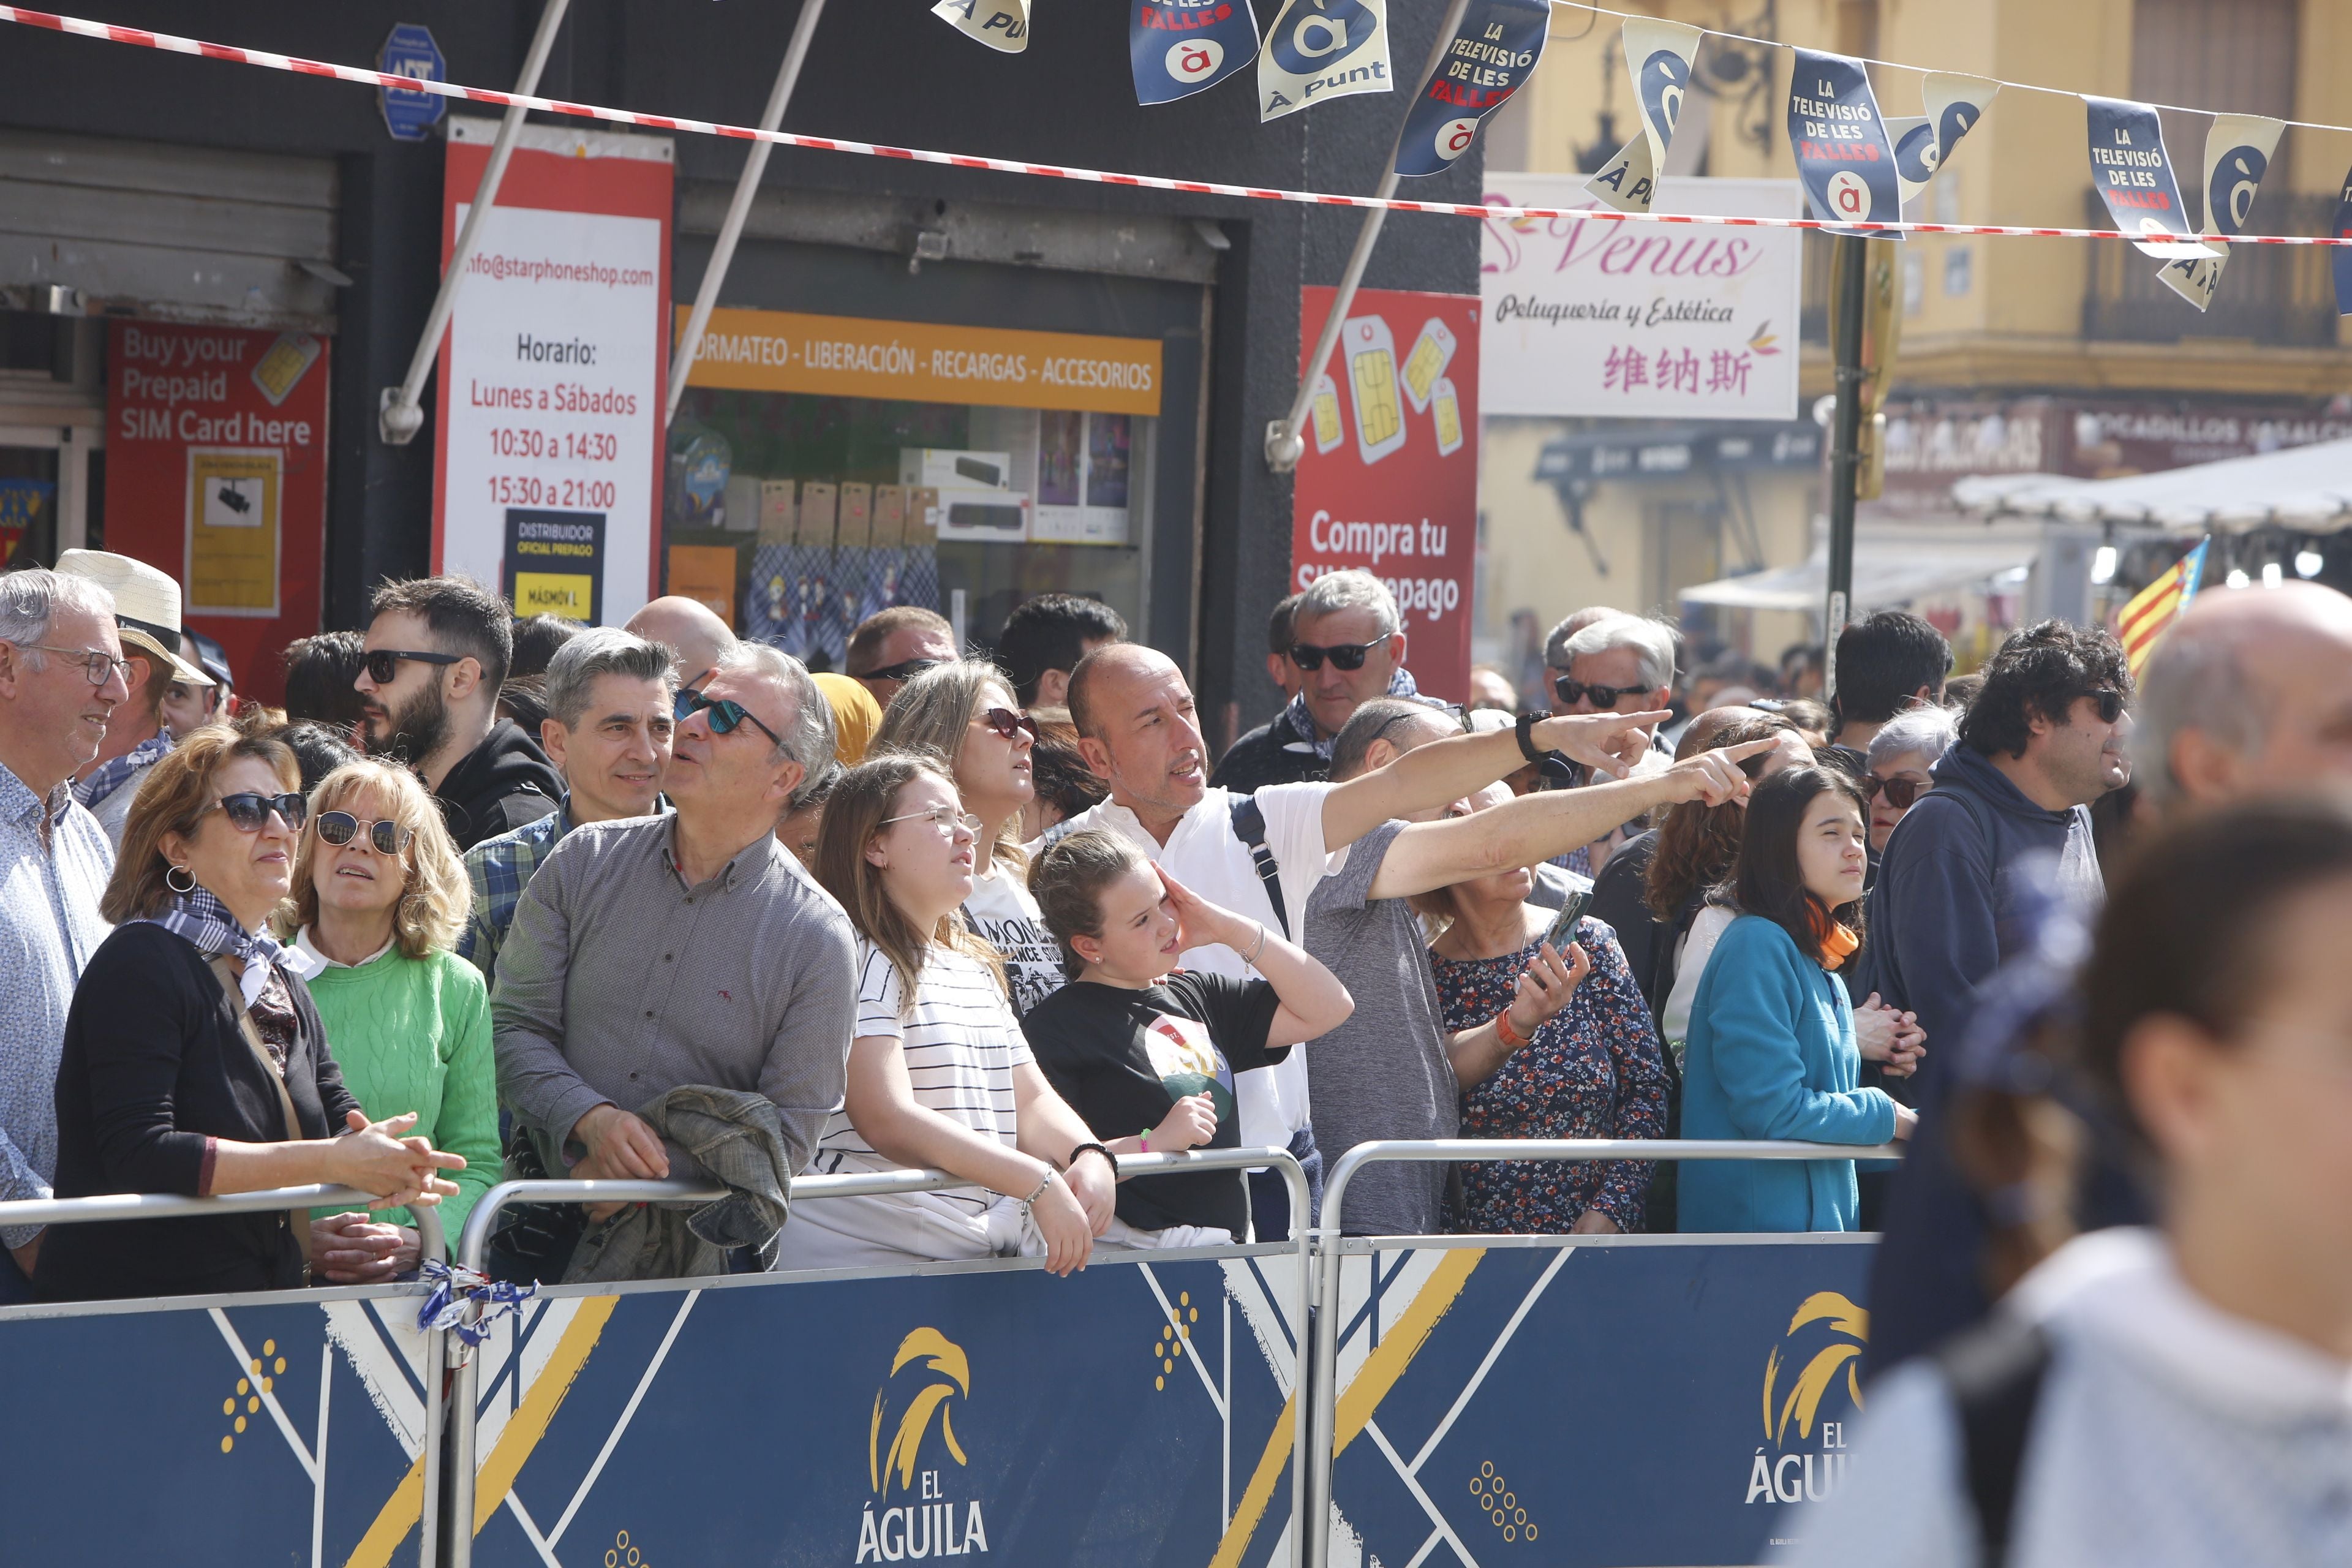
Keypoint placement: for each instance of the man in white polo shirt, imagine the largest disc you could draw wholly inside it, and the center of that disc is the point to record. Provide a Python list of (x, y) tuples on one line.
[(1138, 732)]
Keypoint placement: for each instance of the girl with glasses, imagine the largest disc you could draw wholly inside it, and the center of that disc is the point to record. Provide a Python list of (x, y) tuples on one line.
[(195, 1061), (380, 896), (964, 712), (939, 1076)]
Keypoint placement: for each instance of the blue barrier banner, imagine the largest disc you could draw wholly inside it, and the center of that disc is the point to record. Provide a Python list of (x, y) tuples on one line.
[(279, 1429), (1179, 48), (1593, 1407), (1132, 1413), (1494, 51), (1844, 155)]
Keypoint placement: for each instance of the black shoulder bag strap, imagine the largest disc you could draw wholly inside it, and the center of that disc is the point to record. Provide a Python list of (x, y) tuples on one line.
[(1249, 826), (1995, 1372)]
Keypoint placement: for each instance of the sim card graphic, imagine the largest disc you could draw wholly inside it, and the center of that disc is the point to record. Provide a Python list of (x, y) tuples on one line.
[(1372, 379), (1431, 353), (1327, 433), (1448, 415)]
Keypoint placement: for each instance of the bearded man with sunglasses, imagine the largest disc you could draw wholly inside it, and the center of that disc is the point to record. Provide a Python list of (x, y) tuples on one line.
[(687, 950), (436, 650)]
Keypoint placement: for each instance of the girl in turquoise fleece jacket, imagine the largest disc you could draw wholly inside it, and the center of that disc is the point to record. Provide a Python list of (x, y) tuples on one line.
[(1771, 1052), (379, 898)]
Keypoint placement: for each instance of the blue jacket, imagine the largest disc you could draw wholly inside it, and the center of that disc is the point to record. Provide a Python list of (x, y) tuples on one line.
[(1939, 911), (1772, 1054)]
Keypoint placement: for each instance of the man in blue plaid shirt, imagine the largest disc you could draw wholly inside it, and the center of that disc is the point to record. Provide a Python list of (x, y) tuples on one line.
[(609, 700)]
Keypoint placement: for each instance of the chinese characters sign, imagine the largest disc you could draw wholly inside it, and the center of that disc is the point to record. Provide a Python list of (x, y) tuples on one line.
[(1592, 317)]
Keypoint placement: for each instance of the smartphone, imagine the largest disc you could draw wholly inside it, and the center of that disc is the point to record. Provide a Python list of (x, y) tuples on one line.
[(1563, 930)]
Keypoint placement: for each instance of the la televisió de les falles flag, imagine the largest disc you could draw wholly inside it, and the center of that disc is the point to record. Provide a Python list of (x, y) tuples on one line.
[(1179, 48), (1490, 57), (1843, 154)]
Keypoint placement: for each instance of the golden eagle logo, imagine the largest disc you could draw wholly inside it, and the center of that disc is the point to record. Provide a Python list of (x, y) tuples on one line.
[(1805, 1397), (945, 1372)]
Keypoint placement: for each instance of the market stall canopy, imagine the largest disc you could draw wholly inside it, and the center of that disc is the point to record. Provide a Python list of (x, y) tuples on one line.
[(2306, 488), (1896, 565)]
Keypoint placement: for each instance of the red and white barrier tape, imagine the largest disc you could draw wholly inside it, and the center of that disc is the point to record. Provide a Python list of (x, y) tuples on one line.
[(171, 44)]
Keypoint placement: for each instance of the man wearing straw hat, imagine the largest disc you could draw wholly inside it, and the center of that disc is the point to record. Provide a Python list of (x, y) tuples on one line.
[(147, 618)]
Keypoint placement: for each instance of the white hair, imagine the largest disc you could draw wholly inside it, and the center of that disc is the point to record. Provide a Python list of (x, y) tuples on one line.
[(809, 740), (30, 599), (1929, 729), (1350, 588), (1652, 643)]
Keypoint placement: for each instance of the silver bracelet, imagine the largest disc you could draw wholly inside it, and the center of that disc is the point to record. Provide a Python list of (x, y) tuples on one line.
[(1252, 959), (1039, 1193)]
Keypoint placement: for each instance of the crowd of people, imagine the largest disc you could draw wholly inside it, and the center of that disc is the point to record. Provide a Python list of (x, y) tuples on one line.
[(490, 897)]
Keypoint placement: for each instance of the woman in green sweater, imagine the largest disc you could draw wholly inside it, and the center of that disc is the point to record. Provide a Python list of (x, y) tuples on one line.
[(380, 895)]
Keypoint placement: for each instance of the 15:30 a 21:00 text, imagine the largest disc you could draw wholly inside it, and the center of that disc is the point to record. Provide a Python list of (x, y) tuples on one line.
[(522, 490)]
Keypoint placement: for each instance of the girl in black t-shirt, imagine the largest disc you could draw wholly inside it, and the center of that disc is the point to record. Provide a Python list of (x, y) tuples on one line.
[(1145, 1052)]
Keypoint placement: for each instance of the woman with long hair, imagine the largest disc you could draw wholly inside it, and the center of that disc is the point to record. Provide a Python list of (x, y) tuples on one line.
[(939, 1076), (194, 1061), (965, 711), (2187, 1382), (380, 896), (1772, 1053)]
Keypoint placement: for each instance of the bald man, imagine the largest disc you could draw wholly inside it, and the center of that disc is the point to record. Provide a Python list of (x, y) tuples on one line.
[(695, 636), (2249, 691), (1138, 733)]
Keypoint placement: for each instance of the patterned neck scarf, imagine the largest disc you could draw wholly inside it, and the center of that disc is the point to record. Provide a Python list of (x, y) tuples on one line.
[(1302, 724), (206, 925), (112, 775)]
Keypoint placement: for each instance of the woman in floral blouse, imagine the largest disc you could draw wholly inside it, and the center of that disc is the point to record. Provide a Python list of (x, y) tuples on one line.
[(1591, 1070)]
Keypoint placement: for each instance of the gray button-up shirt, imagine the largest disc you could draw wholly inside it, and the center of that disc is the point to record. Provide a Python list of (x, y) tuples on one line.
[(50, 883), (618, 983)]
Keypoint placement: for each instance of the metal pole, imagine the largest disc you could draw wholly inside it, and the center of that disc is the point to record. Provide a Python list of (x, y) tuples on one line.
[(399, 417), (747, 186), (1283, 445), (1845, 450)]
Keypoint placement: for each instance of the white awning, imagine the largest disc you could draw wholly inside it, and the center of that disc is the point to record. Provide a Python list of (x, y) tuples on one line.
[(1894, 563), (2304, 487)]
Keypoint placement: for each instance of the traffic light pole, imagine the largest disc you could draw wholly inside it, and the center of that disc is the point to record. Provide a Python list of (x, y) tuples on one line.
[(1845, 449)]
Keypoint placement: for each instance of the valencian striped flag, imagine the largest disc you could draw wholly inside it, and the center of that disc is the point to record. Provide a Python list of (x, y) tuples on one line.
[(2154, 607)]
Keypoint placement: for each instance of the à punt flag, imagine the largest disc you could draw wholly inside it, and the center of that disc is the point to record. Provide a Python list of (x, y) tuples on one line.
[(2154, 607)]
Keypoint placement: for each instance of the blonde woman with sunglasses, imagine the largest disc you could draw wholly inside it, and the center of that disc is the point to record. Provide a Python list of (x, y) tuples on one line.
[(965, 713), (380, 896)]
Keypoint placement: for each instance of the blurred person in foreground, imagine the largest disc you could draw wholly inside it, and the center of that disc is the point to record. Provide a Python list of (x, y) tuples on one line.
[(2173, 1395), (195, 1061), (379, 896), (2249, 691), (1347, 647)]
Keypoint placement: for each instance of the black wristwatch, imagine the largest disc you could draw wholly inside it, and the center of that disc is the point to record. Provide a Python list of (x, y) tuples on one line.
[(1096, 1149), (1527, 733)]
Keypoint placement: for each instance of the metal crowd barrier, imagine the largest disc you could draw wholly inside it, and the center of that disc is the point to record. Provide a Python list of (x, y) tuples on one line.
[(1316, 1515)]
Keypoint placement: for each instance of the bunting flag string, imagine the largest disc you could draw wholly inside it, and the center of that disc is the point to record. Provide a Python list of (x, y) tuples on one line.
[(1658, 57), (1492, 54), (141, 37)]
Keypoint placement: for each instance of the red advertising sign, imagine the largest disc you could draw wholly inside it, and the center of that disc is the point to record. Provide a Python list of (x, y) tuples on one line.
[(216, 472), (1390, 478)]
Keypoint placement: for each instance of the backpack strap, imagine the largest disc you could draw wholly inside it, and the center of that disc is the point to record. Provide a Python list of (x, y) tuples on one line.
[(1249, 826), (1995, 1373)]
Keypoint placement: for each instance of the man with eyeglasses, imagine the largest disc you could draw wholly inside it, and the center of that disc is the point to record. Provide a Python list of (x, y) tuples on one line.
[(687, 950), (610, 701), (61, 678), (892, 646), (1347, 648), (436, 650), (147, 620)]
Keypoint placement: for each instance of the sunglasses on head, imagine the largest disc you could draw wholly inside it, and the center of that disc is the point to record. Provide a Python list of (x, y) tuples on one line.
[(904, 669), (727, 715), (249, 813), (1570, 691), (1343, 656), (384, 836), (1900, 792), (1007, 723), (383, 663)]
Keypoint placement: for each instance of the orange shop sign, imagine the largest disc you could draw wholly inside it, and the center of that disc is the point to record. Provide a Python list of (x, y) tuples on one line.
[(918, 362)]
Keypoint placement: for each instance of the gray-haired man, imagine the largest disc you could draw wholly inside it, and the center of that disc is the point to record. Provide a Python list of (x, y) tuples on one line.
[(687, 948), (607, 730), (1347, 648)]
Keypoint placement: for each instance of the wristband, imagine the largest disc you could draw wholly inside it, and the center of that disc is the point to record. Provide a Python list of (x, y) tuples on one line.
[(1033, 1197), (1259, 949), (1094, 1149), (1506, 1033), (1525, 729), (1145, 1140)]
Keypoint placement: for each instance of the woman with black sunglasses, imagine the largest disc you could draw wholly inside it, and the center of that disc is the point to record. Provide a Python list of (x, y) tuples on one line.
[(194, 1061), (379, 899), (965, 714), (1902, 756)]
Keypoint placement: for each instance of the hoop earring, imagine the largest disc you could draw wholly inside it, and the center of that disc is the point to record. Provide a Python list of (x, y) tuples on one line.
[(175, 887)]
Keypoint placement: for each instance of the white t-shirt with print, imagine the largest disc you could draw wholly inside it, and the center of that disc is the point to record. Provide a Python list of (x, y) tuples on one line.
[(1205, 856), (1004, 914)]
